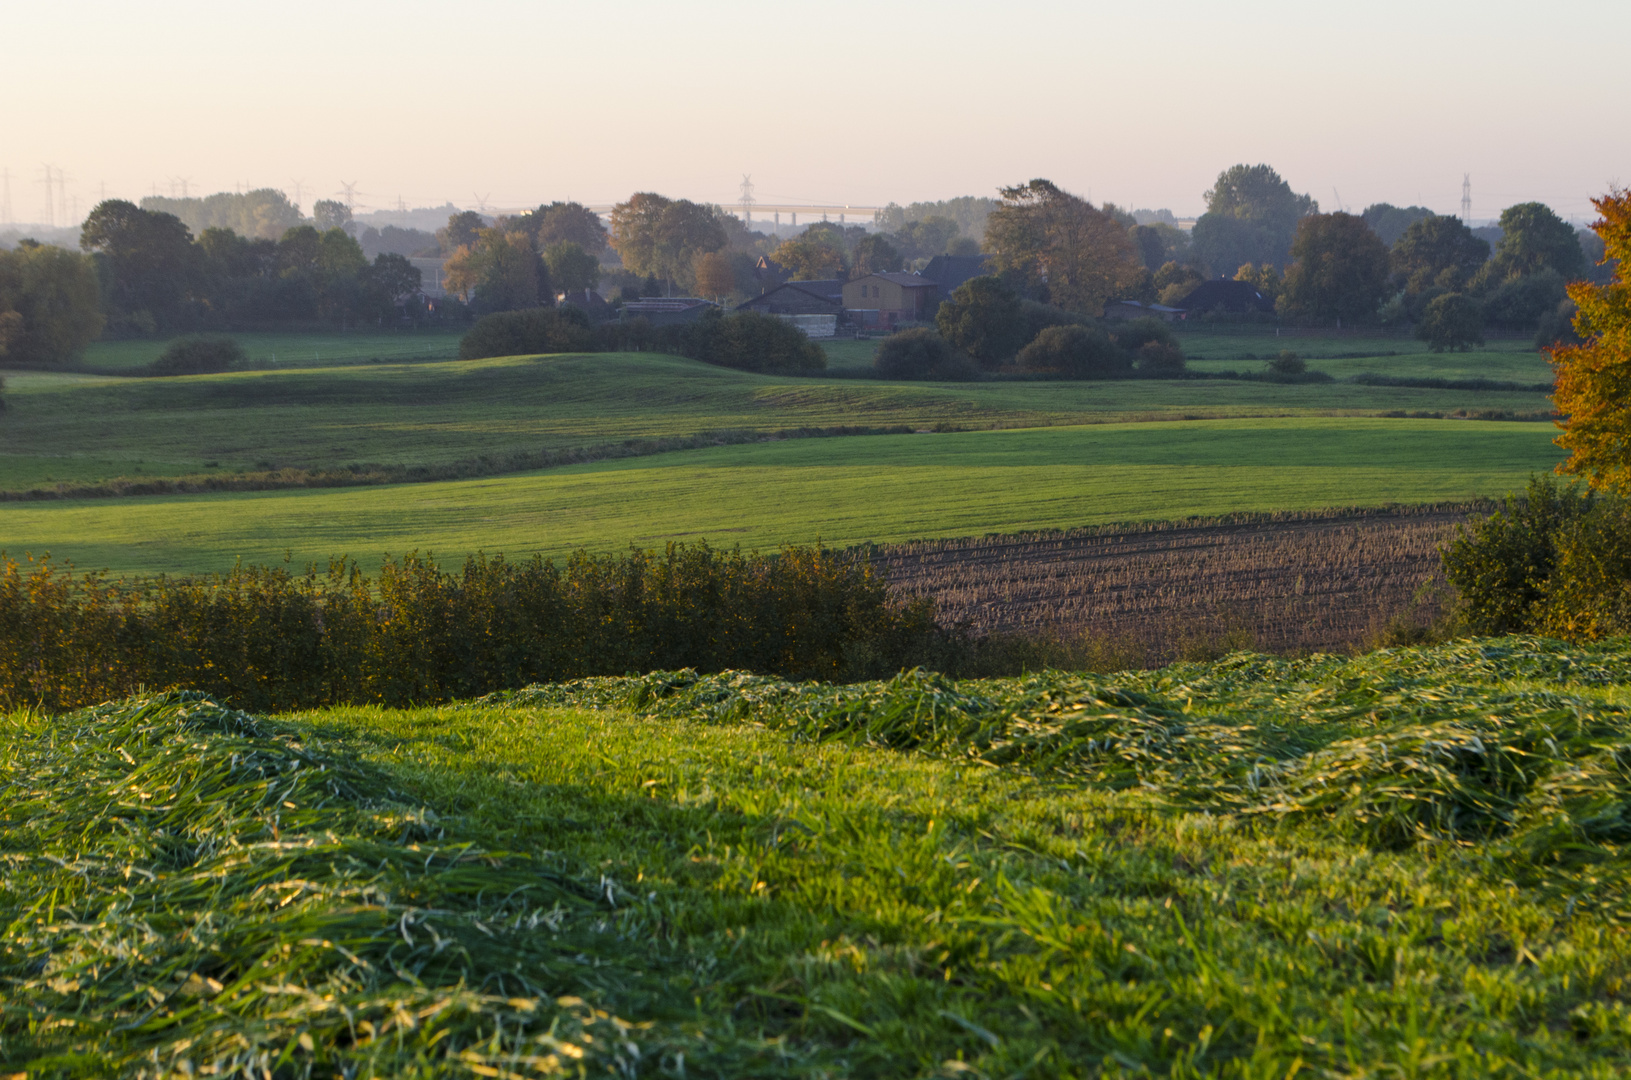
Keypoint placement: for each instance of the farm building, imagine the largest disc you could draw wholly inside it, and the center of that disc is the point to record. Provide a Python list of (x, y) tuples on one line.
[(888, 300), (1220, 294), (799, 298), (950, 271), (668, 311), (1132, 309), (770, 273)]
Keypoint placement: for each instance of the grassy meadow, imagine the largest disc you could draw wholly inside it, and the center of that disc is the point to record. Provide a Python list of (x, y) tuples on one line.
[(841, 490), (77, 428), (1409, 864)]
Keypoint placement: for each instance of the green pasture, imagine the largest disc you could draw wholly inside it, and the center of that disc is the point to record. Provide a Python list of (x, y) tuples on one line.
[(840, 490), (75, 427), (1409, 864), (285, 349)]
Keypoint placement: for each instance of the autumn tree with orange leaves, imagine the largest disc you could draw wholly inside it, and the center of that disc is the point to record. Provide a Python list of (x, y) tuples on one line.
[(1593, 391)]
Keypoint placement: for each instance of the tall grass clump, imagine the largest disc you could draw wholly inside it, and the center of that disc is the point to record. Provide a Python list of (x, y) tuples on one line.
[(271, 638)]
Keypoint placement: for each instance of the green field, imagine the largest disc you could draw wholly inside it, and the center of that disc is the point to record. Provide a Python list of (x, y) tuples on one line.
[(841, 490), (283, 349), (79, 428), (1409, 864)]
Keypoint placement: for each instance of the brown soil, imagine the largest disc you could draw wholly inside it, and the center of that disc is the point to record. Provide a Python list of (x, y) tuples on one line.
[(1282, 583)]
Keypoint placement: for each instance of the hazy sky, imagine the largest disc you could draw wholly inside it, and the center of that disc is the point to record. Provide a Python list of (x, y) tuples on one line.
[(863, 103)]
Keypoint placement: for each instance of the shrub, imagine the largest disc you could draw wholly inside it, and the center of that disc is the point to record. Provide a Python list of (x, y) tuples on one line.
[(197, 356), (1160, 359), (1502, 565), (270, 639), (1038, 317), (1557, 327), (921, 353), (528, 331), (1588, 594), (984, 319), (1451, 321), (1287, 363), (746, 341), (1076, 352)]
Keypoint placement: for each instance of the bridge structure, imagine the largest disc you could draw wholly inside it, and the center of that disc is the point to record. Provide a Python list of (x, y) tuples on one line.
[(790, 213)]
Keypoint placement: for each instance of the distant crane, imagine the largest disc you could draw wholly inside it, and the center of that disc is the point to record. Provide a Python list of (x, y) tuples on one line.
[(1338, 195)]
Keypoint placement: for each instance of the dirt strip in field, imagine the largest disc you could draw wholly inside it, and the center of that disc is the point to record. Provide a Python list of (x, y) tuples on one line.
[(1283, 583)]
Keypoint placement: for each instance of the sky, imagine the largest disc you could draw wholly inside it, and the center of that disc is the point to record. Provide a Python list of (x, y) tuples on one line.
[(843, 103)]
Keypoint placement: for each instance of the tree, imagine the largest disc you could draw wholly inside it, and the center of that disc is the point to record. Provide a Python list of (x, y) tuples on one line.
[(1594, 378), (926, 237), (146, 260), (1390, 222), (920, 353), (1076, 352), (262, 214), (1340, 272), (460, 231), (1437, 250), (1265, 278), (874, 254), (1533, 240), (328, 214), (499, 272), (48, 305), (1451, 321), (571, 268), (569, 223), (809, 260), (1174, 281), (1069, 253), (656, 235), (750, 341), (393, 277), (984, 319), (1251, 217), (715, 277), (1158, 244)]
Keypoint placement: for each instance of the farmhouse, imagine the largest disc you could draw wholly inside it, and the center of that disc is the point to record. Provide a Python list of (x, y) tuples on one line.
[(1220, 294), (887, 300), (799, 298)]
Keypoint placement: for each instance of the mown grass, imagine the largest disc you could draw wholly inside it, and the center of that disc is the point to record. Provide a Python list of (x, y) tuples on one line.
[(283, 349), (841, 490), (453, 412), (1407, 864)]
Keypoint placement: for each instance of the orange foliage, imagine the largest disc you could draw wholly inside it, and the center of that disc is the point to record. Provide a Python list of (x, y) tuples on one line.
[(1593, 391)]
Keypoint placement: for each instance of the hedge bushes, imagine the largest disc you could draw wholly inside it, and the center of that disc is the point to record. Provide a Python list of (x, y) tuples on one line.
[(530, 330), (197, 356), (268, 638)]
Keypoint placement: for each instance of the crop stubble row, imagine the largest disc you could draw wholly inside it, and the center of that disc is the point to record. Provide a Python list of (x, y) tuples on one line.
[(1287, 582)]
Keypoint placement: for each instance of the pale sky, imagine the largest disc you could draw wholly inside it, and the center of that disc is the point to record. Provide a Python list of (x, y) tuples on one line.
[(841, 102)]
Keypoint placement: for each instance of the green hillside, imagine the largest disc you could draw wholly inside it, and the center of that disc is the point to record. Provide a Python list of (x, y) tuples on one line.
[(79, 429), (840, 490), (1409, 864)]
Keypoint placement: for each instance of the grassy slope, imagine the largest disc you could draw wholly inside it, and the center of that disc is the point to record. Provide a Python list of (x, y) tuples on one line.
[(464, 890), (843, 491), (82, 428), (293, 349)]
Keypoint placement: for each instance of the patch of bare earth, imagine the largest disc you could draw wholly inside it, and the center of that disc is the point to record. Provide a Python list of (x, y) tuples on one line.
[(1282, 583)]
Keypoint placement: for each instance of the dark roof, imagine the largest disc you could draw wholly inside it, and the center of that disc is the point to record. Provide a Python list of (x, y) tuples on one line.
[(769, 272), (909, 281), (798, 297), (1234, 296), (826, 288), (950, 271)]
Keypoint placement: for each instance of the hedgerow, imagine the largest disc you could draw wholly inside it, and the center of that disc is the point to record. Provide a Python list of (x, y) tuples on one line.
[(267, 637)]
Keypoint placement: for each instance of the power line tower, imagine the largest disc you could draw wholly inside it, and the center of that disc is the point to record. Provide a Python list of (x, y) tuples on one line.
[(349, 192), (1466, 199), (481, 201), (746, 201), (299, 188)]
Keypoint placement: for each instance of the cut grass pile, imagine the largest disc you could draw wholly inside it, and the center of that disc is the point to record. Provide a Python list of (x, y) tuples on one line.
[(480, 415), (1409, 864), (843, 491)]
